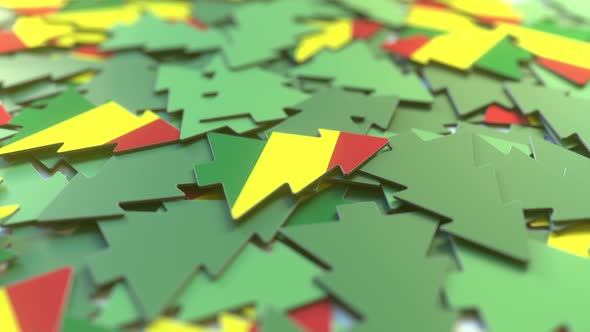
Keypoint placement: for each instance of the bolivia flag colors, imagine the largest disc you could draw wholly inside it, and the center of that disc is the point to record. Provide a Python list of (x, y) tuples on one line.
[(35, 305), (300, 160), (106, 124)]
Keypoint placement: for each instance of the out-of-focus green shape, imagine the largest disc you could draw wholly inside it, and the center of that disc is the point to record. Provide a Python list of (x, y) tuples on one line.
[(7, 18), (205, 101), (355, 66), (22, 68), (440, 177), (535, 11), (525, 180), (390, 13), (274, 321), (372, 287), (579, 9), (413, 31), (191, 243), (255, 277), (144, 176), (564, 115), (199, 234), (22, 185), (470, 92), (71, 324), (321, 207), (518, 137), (433, 117), (75, 5), (36, 93), (214, 11), (581, 33), (153, 34), (340, 110), (495, 286), (119, 310), (128, 79)]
